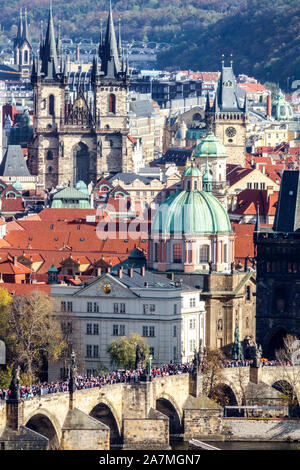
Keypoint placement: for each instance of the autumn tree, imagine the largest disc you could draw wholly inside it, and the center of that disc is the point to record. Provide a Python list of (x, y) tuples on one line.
[(122, 351), (31, 332)]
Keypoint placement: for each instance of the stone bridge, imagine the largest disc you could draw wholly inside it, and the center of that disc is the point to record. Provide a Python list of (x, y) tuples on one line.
[(136, 415), (280, 377)]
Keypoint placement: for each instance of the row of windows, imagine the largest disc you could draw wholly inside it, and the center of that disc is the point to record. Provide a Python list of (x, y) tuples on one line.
[(111, 104), (256, 185), (93, 307), (204, 253), (92, 350)]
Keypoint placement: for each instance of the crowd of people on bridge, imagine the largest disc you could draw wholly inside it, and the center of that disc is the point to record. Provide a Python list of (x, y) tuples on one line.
[(88, 381), (125, 376)]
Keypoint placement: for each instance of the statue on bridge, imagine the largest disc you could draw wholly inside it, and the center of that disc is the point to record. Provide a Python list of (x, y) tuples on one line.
[(236, 350), (252, 351), (14, 388), (72, 384), (139, 357), (198, 357)]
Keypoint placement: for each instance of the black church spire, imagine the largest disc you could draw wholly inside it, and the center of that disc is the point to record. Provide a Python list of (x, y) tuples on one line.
[(108, 51)]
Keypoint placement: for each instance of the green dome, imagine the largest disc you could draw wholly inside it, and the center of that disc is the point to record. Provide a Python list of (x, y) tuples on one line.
[(191, 213), (210, 147), (281, 109), (192, 171)]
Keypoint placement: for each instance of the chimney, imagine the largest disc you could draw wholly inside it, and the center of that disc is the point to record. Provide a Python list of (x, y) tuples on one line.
[(143, 271), (98, 271), (130, 272), (120, 272), (269, 106)]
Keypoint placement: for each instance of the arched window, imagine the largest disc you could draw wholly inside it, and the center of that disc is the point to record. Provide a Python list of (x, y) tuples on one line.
[(112, 103), (195, 185), (51, 105), (26, 57), (177, 253), (49, 155), (204, 254)]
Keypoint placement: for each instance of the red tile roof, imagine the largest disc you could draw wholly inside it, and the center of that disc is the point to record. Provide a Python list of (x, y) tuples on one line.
[(25, 289), (249, 200)]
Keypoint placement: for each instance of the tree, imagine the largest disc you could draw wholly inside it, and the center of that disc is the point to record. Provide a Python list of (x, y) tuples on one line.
[(288, 377), (122, 351), (32, 333), (212, 373)]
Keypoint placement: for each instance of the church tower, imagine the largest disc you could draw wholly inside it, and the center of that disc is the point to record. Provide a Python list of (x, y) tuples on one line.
[(23, 47), (228, 117), (79, 135)]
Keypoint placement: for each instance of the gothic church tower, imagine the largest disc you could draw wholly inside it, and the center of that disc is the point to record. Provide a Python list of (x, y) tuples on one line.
[(79, 136), (22, 47), (228, 117)]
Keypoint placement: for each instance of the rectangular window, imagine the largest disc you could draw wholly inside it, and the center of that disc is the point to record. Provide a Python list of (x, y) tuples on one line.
[(63, 306), (192, 323), (192, 302), (177, 253), (174, 353), (96, 350), (255, 185), (122, 330), (151, 331), (115, 330), (70, 306), (88, 350), (88, 328), (248, 293), (262, 185), (145, 309), (145, 330), (89, 307), (249, 185), (152, 308), (96, 307), (116, 308), (151, 352), (174, 331), (192, 345), (175, 309), (96, 329), (122, 308)]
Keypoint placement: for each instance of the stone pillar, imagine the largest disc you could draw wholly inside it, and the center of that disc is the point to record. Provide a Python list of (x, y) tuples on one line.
[(14, 414), (195, 383), (255, 374)]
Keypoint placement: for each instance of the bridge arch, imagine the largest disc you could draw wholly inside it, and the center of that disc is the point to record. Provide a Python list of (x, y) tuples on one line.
[(166, 404), (290, 394), (104, 411), (46, 424), (224, 394)]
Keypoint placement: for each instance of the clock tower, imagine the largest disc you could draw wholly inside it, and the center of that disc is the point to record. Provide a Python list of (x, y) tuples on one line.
[(228, 117)]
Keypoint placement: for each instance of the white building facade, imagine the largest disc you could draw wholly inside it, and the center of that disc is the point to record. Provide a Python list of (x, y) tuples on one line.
[(171, 317)]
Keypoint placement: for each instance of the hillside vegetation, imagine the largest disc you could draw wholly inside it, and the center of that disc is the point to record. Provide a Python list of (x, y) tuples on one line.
[(262, 35)]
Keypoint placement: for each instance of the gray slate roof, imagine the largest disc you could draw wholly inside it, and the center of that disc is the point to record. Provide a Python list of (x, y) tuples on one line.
[(128, 178), (287, 217), (13, 163), (143, 108)]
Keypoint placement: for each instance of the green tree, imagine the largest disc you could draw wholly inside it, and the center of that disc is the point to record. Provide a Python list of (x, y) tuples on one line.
[(31, 332), (122, 351)]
